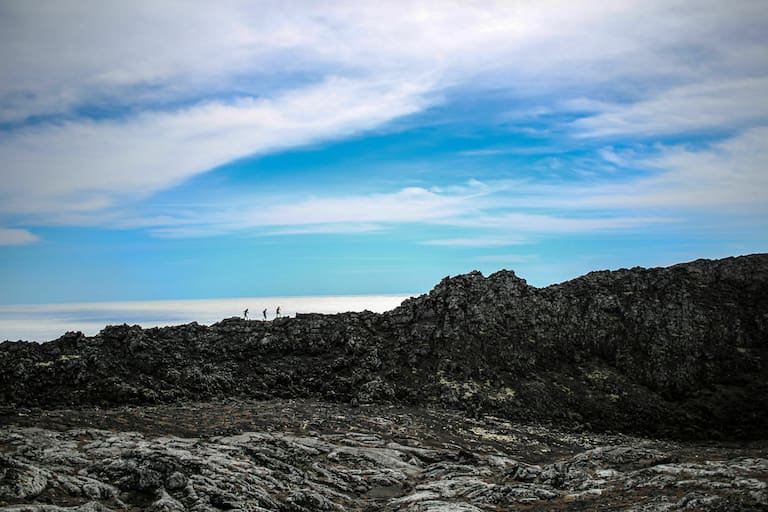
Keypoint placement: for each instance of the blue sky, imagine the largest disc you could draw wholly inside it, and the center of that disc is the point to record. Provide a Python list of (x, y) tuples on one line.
[(161, 151)]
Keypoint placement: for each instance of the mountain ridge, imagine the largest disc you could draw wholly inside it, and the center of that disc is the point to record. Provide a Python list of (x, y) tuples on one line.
[(678, 351)]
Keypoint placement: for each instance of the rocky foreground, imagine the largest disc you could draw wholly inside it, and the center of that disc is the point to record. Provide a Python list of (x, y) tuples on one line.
[(287, 455), (639, 389)]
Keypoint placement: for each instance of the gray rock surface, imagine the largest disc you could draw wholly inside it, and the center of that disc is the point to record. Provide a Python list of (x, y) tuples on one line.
[(374, 458)]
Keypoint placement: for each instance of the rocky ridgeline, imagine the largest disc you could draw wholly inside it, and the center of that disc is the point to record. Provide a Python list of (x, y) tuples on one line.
[(679, 351)]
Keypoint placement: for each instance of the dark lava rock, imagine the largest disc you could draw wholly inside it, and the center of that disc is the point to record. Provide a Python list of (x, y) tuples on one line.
[(679, 351)]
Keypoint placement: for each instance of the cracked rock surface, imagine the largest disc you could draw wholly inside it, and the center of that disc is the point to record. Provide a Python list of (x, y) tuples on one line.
[(314, 456)]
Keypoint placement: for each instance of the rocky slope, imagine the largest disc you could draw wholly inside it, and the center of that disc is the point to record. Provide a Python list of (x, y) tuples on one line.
[(679, 351), (302, 456)]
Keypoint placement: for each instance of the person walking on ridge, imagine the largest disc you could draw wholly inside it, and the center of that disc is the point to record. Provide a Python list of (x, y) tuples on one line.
[(278, 311), (245, 313), (265, 314)]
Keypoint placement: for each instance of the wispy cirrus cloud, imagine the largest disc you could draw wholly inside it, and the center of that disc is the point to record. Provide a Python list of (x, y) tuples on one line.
[(470, 241), (152, 95), (690, 108), (91, 165), (506, 213), (16, 237), (727, 176), (340, 214), (680, 184), (334, 228)]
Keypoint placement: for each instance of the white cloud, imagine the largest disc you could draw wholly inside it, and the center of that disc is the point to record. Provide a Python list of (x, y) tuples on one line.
[(487, 241), (726, 177), (85, 52), (681, 183), (58, 55), (43, 322), (330, 214), (91, 165), (649, 184), (16, 237), (202, 228), (197, 86), (411, 204), (696, 107), (565, 223), (498, 207), (336, 228)]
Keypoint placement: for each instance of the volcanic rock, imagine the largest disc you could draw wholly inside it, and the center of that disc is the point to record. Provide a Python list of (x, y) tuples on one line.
[(313, 456), (680, 351)]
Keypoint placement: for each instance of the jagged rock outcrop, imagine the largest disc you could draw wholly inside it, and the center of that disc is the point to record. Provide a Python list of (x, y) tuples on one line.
[(680, 351)]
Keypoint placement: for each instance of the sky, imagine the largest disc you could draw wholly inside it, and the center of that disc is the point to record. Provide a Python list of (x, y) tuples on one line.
[(197, 150), (44, 322)]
